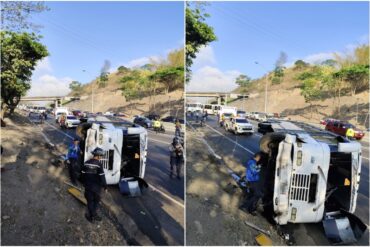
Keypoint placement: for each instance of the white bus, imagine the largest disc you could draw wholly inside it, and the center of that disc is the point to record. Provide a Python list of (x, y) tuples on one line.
[(192, 107), (211, 109)]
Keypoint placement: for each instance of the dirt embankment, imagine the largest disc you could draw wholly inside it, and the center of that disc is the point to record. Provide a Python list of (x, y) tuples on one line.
[(213, 216), (110, 98), (286, 98), (36, 208), (292, 104)]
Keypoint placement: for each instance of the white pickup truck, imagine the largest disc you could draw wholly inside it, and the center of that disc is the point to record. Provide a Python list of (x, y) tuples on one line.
[(238, 126)]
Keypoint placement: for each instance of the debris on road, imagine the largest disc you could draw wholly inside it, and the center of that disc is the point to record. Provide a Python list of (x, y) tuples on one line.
[(263, 240), (78, 195), (257, 228)]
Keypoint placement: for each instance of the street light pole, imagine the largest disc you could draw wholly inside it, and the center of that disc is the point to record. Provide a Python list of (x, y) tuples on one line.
[(92, 93), (265, 87)]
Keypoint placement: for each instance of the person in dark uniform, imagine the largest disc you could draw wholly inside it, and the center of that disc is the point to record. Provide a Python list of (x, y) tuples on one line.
[(93, 179), (177, 156)]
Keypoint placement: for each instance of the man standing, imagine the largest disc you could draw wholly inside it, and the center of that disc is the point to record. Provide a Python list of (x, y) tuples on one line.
[(73, 156), (254, 185), (93, 178), (176, 156)]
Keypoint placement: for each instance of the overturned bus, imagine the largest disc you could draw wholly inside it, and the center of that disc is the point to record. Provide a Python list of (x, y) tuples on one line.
[(312, 175), (125, 145)]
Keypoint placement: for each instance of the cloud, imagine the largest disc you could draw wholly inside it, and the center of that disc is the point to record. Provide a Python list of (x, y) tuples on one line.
[(42, 67), (318, 57), (205, 57), (212, 79), (142, 61), (49, 85), (43, 83)]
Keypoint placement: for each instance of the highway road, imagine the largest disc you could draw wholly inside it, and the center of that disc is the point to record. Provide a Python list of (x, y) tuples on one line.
[(159, 212), (242, 147)]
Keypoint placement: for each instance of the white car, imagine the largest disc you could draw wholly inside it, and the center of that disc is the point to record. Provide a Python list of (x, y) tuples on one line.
[(71, 121), (239, 126)]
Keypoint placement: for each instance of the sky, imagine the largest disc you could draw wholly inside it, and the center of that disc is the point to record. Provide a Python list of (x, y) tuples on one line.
[(82, 35), (250, 32)]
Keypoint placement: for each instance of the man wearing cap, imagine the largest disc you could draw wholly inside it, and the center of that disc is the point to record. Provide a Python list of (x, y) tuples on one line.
[(93, 178)]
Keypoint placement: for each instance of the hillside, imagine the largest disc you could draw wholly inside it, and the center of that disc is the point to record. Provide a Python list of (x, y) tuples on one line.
[(286, 98), (109, 98)]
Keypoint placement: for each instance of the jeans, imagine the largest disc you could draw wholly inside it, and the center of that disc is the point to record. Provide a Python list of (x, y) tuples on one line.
[(71, 168), (255, 193)]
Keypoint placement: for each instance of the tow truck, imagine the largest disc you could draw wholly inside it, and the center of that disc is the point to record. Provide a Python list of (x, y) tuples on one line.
[(238, 126), (312, 175)]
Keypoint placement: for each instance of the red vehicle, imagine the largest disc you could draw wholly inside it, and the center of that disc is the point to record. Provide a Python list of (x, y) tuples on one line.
[(325, 121), (340, 128)]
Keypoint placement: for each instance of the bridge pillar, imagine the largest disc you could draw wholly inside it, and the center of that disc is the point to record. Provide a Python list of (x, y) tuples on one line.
[(218, 100), (56, 103)]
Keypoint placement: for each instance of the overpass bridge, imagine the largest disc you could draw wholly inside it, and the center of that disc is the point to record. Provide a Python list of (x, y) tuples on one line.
[(217, 95), (56, 99)]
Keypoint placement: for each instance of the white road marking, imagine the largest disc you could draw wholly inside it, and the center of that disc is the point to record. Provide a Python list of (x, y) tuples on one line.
[(70, 137), (42, 133), (211, 150), (167, 196), (218, 132), (151, 186), (155, 140)]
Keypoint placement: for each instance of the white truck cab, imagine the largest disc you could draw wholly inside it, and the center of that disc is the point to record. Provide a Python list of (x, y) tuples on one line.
[(314, 174), (125, 145)]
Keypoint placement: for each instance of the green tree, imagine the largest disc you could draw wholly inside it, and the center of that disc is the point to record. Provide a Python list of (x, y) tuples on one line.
[(198, 33), (356, 76), (300, 64), (15, 16), (20, 53), (175, 58), (103, 78), (122, 69), (243, 80), (76, 88), (329, 62), (311, 91), (171, 77)]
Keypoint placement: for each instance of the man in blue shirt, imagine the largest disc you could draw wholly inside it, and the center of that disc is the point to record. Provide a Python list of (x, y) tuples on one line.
[(73, 156), (254, 185)]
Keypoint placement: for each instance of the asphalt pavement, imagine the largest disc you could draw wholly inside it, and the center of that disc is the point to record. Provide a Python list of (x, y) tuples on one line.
[(242, 147), (159, 212)]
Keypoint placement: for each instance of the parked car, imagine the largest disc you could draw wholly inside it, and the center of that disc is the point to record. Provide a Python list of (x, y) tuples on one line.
[(171, 119), (340, 128), (265, 126), (121, 115), (152, 116), (143, 121)]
